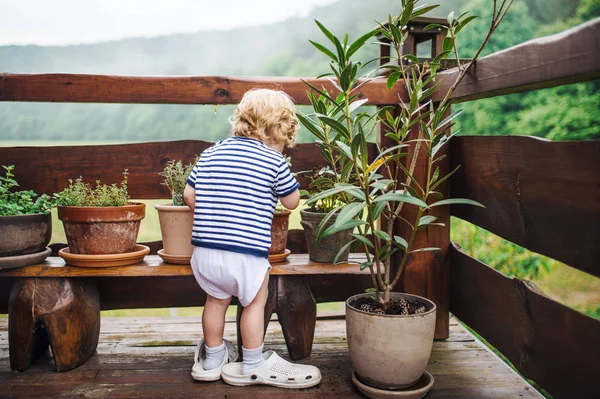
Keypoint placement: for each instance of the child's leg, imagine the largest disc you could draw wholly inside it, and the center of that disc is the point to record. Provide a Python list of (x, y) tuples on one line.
[(213, 324), (213, 320), (252, 327)]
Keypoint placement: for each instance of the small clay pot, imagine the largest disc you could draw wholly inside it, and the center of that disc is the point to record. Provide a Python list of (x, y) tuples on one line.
[(326, 249), (279, 232), (176, 223), (24, 234), (95, 230)]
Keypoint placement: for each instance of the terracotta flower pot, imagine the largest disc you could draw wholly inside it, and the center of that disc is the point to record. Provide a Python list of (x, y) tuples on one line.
[(326, 249), (102, 230), (176, 223), (279, 232), (24, 234), (390, 351)]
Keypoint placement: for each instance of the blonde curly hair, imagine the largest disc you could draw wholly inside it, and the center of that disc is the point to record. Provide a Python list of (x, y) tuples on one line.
[(266, 115)]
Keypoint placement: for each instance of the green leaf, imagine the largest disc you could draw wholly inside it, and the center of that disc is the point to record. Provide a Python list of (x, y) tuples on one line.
[(329, 35), (357, 104), (443, 179), (406, 13), (392, 79), (362, 239), (324, 50), (450, 17), (426, 220), (425, 249), (313, 128), (411, 58), (435, 176), (463, 23), (448, 44), (349, 211), (358, 43), (345, 149), (401, 241), (335, 125), (456, 201), (341, 251), (326, 193), (422, 10), (398, 196), (434, 26), (379, 207), (382, 234), (363, 266), (347, 226)]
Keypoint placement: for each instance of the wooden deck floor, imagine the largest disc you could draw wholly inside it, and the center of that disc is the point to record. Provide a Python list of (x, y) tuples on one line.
[(152, 358)]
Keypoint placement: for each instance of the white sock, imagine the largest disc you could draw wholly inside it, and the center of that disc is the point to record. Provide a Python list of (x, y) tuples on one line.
[(253, 358), (214, 356)]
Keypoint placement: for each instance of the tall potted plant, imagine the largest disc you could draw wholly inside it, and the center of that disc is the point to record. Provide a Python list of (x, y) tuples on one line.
[(384, 326), (176, 219), (25, 223), (99, 221)]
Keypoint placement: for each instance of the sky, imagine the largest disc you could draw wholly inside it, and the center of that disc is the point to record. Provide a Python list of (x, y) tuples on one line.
[(65, 22)]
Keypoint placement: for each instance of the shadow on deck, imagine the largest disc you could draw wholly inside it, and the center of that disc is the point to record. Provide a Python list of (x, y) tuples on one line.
[(152, 358)]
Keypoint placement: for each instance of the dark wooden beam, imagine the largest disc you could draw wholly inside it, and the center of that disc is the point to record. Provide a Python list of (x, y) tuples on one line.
[(79, 88), (47, 169), (542, 195), (555, 346), (564, 58)]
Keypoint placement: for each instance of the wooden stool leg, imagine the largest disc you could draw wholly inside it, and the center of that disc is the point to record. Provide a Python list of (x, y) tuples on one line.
[(297, 313), (269, 309), (27, 339), (70, 311)]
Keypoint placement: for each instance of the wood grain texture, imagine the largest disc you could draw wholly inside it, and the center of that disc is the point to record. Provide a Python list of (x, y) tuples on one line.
[(78, 88), (47, 169), (297, 314), (553, 345), (151, 357), (564, 58), (542, 195), (153, 266), (62, 312)]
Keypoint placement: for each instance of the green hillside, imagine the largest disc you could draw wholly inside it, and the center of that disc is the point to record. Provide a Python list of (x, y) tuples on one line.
[(277, 50)]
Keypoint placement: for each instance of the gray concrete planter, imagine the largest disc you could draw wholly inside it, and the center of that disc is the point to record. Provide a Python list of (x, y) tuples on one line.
[(326, 249), (24, 234), (390, 352)]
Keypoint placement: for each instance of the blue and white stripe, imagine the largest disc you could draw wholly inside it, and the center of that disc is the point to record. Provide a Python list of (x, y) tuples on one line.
[(237, 183)]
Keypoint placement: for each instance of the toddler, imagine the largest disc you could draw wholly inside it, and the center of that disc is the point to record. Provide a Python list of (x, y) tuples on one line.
[(233, 190)]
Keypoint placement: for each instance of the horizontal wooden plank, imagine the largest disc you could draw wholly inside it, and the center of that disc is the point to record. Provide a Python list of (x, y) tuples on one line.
[(153, 266), (568, 57), (542, 195), (79, 88), (553, 345), (47, 169)]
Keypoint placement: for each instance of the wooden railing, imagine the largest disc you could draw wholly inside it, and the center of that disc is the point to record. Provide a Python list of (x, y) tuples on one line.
[(544, 196)]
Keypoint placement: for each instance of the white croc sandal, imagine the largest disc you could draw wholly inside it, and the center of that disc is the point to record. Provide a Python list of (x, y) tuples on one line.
[(198, 372), (275, 371)]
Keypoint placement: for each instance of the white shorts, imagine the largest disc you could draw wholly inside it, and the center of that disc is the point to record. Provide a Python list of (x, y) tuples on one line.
[(223, 274)]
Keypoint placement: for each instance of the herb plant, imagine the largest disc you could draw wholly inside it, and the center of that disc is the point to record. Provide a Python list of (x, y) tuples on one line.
[(375, 200), (79, 193), (175, 175), (26, 202)]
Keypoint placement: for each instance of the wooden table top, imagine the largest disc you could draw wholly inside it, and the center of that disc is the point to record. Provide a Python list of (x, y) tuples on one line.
[(154, 266)]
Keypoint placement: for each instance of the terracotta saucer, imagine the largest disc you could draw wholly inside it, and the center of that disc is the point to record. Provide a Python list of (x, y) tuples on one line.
[(10, 262), (174, 259), (276, 258), (109, 260), (417, 391)]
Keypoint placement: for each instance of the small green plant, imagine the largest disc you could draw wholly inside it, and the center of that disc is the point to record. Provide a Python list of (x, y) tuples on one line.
[(24, 202), (175, 175), (322, 179), (79, 193)]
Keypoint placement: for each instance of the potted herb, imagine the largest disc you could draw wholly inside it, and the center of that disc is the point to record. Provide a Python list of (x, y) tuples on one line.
[(390, 334), (99, 220), (176, 219), (25, 220), (325, 249)]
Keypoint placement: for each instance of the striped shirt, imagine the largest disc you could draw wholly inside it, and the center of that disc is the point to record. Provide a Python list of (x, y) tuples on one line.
[(237, 183)]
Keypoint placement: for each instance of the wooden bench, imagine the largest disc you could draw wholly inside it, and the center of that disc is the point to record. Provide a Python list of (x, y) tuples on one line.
[(58, 305)]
